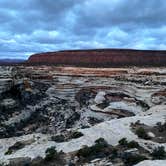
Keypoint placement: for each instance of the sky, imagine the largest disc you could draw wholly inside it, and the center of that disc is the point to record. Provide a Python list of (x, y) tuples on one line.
[(32, 26)]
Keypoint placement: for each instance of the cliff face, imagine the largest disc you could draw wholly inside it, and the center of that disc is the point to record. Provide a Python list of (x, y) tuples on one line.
[(101, 57)]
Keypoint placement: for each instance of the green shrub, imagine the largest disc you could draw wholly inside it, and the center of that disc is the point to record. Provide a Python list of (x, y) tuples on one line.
[(76, 134), (9, 152), (133, 144), (161, 127), (141, 133), (18, 145), (123, 142), (51, 154), (131, 160), (85, 152), (159, 153), (58, 138), (114, 153), (101, 142)]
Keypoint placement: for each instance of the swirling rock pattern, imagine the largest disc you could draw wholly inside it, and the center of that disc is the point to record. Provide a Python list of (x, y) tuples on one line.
[(100, 102)]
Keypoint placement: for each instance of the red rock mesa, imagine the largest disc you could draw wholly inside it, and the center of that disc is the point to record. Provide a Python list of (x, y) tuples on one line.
[(101, 58)]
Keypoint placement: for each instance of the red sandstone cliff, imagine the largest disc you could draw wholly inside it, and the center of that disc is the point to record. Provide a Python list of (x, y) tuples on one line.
[(101, 57)]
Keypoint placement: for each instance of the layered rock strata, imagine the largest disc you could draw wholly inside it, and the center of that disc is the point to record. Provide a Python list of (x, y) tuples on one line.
[(101, 58)]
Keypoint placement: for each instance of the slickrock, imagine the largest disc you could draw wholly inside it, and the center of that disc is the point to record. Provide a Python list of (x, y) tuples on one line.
[(48, 103)]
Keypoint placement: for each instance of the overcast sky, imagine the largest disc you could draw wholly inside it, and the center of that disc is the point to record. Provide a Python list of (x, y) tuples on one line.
[(30, 26)]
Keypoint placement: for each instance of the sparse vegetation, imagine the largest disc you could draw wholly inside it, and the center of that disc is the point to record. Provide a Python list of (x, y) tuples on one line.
[(123, 142), (131, 160), (51, 154), (100, 144), (8, 152), (131, 144), (161, 127), (141, 133), (155, 133), (58, 138), (159, 153), (51, 105), (114, 153), (63, 137), (76, 134), (84, 152), (18, 145)]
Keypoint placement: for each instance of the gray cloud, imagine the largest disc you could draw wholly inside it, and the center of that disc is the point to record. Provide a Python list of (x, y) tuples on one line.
[(35, 26)]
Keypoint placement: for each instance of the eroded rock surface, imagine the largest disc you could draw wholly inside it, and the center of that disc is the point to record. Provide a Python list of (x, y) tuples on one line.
[(41, 102)]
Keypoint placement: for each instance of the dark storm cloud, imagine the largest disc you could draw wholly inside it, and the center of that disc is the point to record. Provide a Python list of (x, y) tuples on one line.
[(45, 25), (123, 12)]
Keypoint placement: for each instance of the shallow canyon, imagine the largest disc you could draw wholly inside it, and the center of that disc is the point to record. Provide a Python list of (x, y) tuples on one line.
[(72, 107)]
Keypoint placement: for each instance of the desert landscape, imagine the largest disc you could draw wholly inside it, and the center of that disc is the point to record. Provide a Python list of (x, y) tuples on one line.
[(52, 115), (82, 83)]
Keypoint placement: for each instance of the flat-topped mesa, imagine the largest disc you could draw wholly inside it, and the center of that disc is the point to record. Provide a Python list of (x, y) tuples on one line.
[(101, 58)]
